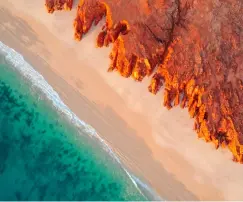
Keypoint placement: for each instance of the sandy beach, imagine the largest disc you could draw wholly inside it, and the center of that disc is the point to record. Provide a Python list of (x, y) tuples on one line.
[(158, 145)]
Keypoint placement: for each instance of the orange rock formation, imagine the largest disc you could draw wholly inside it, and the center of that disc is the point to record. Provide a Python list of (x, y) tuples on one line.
[(52, 5), (193, 47)]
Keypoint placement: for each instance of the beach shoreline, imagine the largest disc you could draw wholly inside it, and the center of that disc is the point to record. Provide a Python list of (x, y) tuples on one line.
[(129, 118), (17, 63)]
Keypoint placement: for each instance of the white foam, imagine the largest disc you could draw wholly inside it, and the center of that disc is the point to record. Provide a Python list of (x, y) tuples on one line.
[(38, 81)]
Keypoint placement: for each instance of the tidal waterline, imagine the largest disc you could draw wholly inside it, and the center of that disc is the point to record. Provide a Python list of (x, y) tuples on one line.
[(43, 156)]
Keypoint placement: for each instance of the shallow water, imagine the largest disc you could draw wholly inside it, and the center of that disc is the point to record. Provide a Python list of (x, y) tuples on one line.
[(43, 156)]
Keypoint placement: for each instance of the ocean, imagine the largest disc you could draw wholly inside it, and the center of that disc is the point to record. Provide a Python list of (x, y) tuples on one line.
[(46, 152)]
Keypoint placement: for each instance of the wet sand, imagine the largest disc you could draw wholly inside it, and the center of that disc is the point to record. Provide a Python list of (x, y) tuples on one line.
[(158, 145)]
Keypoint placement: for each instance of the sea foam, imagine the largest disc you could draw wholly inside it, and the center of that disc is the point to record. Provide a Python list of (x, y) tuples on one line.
[(37, 80)]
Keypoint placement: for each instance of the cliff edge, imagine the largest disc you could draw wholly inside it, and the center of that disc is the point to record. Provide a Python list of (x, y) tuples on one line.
[(194, 48)]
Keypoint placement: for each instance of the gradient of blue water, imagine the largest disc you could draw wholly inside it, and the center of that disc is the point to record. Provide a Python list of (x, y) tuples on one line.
[(43, 156)]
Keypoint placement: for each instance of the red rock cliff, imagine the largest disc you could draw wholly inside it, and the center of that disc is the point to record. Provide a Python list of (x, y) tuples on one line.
[(52, 5), (192, 47)]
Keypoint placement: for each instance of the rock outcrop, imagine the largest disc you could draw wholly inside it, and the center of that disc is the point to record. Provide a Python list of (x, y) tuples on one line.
[(192, 47), (53, 5)]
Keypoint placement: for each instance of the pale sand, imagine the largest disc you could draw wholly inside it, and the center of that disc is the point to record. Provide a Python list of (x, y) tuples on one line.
[(158, 145)]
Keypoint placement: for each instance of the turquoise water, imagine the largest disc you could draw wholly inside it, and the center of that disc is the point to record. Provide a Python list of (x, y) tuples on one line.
[(43, 156)]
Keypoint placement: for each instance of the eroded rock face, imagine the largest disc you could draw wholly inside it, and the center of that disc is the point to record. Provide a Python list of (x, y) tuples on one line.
[(140, 31), (193, 47), (52, 5), (205, 69)]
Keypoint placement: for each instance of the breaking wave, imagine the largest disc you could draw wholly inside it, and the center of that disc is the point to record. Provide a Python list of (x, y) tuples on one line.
[(37, 80)]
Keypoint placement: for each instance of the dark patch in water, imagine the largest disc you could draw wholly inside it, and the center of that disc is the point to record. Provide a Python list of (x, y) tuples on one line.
[(4, 149), (43, 157)]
